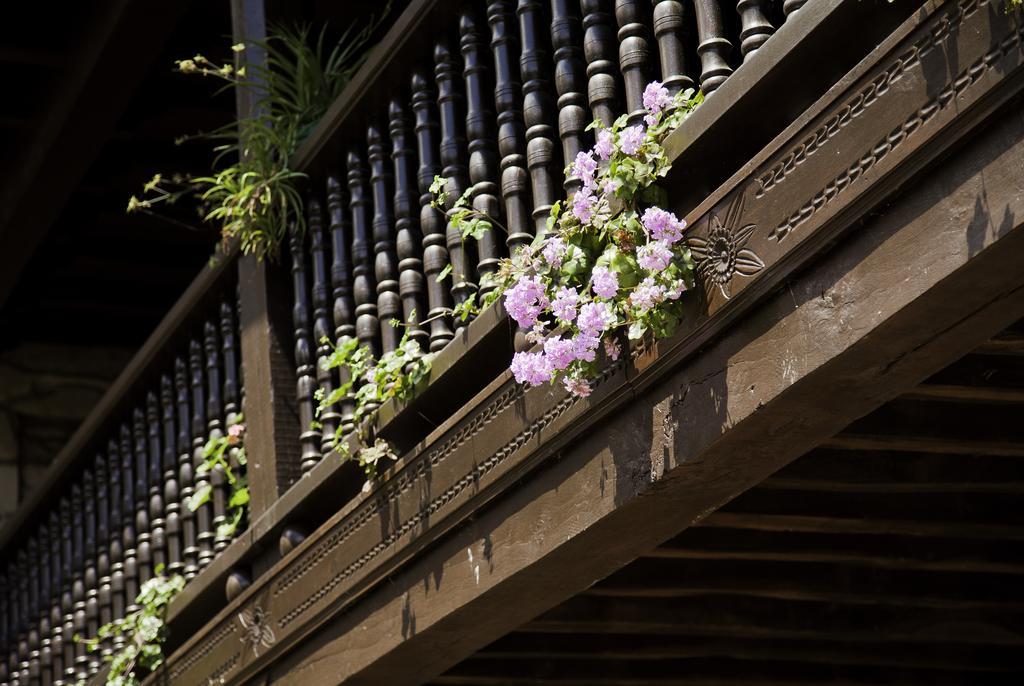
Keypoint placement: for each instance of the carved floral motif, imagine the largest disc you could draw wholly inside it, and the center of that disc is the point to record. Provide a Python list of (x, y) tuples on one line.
[(723, 253), (256, 629)]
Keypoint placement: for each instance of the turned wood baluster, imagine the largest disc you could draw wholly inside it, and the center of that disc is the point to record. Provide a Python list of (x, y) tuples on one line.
[(79, 494), (341, 288), (128, 532), (186, 473), (103, 596), (365, 286), (791, 6), (144, 548), (435, 252), (713, 47), (634, 53), (215, 430), (172, 492), (10, 656), (116, 545), (24, 572), (538, 111), (42, 608), (602, 69), (408, 242), (669, 20), (322, 333), (70, 583), (232, 395), (19, 639), (14, 616), (32, 557), (389, 304), (90, 579), (204, 513), (309, 437), (4, 606), (483, 153), (158, 524), (508, 99), (451, 104), (570, 81), (5, 672), (755, 27)]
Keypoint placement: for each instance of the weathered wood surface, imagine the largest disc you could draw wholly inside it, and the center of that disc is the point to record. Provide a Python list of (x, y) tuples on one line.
[(722, 432)]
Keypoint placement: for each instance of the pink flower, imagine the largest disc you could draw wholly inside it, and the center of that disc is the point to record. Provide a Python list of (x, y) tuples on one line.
[(584, 167), (631, 139), (612, 348), (583, 203), (236, 430), (647, 294), (656, 97), (532, 369), (604, 146), (594, 318), (554, 251), (605, 283), (584, 346), (655, 256), (526, 300), (559, 353), (662, 225), (565, 302), (578, 387)]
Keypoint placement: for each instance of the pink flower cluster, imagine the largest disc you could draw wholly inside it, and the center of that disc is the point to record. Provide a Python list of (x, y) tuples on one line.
[(526, 300), (590, 312), (604, 282), (662, 225)]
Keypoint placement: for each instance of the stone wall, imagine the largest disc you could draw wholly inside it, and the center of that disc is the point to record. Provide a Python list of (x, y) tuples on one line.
[(45, 392)]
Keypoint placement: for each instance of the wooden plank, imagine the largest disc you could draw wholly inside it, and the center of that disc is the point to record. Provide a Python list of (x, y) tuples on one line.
[(829, 582), (970, 394), (694, 670), (766, 618), (924, 444), (849, 525), (605, 647)]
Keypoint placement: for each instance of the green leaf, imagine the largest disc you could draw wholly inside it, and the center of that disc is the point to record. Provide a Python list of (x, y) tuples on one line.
[(443, 274), (200, 497)]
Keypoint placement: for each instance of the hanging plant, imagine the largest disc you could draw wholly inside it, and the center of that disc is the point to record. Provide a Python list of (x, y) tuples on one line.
[(226, 452), (252, 195), (143, 632), (394, 376), (612, 264)]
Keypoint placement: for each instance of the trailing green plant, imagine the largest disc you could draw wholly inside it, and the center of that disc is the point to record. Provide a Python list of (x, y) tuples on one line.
[(251, 194), (143, 632), (394, 376), (613, 263), (225, 452)]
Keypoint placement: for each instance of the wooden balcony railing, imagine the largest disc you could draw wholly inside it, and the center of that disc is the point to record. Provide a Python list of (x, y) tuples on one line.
[(114, 507), (490, 95)]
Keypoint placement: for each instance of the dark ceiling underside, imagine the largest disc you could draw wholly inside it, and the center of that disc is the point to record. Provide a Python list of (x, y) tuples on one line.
[(98, 276), (893, 554)]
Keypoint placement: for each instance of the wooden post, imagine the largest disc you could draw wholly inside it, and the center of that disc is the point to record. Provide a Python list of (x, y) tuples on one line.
[(268, 373)]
